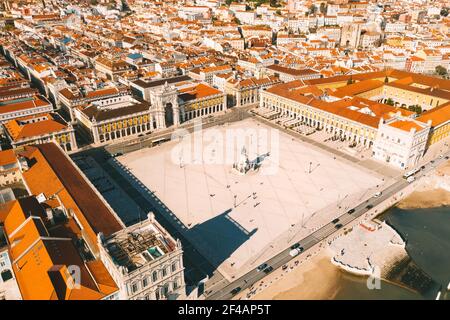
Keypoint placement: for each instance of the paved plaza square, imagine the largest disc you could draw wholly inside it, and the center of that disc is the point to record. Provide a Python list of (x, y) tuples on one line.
[(232, 218)]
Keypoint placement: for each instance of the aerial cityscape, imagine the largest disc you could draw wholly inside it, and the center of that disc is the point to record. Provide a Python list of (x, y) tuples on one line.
[(224, 150)]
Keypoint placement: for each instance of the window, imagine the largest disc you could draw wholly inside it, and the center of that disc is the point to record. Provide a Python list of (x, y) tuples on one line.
[(174, 266), (164, 272), (154, 276), (145, 282), (166, 290), (134, 287)]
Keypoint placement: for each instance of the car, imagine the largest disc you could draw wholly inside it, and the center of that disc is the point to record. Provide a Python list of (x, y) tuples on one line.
[(369, 206), (118, 154), (262, 267), (432, 161), (235, 290), (338, 226), (335, 220), (377, 194), (410, 179), (284, 267), (351, 211), (422, 167), (441, 156), (295, 252), (447, 157), (295, 246), (268, 270)]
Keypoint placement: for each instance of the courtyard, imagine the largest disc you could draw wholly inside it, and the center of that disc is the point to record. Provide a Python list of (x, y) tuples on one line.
[(238, 220)]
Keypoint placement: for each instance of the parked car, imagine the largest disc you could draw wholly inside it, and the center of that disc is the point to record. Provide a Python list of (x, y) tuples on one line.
[(369, 206), (351, 211), (295, 246), (338, 226), (335, 220)]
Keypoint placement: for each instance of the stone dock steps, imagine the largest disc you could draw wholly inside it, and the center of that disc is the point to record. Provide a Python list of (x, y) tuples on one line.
[(409, 275)]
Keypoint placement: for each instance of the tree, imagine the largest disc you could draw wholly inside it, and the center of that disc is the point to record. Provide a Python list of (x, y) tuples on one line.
[(444, 12), (390, 102), (228, 2), (312, 9), (274, 3), (415, 108), (440, 70), (323, 8), (8, 27)]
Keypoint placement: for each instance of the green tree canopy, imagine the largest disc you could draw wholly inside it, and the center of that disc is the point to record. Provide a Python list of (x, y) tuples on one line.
[(312, 9), (440, 70)]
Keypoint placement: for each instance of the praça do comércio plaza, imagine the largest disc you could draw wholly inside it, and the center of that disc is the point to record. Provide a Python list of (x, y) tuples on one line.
[(194, 144)]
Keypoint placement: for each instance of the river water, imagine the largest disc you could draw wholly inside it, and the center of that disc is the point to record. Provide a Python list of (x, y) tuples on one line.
[(427, 232)]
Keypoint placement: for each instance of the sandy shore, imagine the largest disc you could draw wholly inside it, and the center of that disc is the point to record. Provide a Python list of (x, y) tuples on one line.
[(316, 279), (426, 199), (431, 192)]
